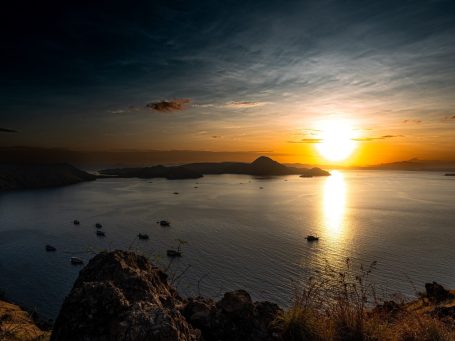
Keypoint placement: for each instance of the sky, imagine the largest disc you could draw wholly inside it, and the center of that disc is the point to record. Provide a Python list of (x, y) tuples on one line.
[(267, 77)]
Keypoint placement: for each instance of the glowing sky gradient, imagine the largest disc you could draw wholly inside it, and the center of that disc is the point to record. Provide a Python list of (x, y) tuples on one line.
[(231, 76)]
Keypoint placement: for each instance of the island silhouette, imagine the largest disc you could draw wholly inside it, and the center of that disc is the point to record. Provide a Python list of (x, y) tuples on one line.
[(262, 166)]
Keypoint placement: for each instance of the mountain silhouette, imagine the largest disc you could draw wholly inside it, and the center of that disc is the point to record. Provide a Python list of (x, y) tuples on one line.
[(262, 166)]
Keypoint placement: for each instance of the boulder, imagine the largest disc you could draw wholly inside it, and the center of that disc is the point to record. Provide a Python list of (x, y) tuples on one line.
[(436, 292)]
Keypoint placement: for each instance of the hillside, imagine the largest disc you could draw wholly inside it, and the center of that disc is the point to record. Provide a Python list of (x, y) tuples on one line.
[(31, 176)]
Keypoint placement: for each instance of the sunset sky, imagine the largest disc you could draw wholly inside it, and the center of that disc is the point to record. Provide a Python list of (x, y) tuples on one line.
[(275, 77)]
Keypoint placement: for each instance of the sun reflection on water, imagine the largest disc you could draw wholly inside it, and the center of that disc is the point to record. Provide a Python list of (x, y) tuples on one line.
[(334, 204)]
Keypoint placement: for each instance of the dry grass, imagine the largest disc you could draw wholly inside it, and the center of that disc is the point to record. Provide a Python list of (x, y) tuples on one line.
[(340, 306), (16, 325)]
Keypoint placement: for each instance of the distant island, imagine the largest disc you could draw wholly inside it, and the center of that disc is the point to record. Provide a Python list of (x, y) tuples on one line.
[(31, 176), (413, 164), (262, 166)]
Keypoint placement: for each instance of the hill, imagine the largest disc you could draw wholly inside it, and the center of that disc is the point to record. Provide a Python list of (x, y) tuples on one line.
[(30, 176), (262, 166)]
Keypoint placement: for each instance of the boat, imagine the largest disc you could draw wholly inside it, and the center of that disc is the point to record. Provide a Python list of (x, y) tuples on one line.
[(100, 234), (311, 238), (143, 236), (176, 193), (76, 222), (173, 253), (98, 225), (76, 261), (50, 248), (164, 223)]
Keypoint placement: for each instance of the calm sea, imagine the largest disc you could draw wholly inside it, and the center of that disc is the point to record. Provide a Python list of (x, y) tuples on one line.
[(241, 232)]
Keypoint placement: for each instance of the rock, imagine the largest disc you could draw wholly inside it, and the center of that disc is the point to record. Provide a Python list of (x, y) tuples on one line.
[(436, 292), (237, 304), (388, 310), (234, 317), (121, 296), (200, 312)]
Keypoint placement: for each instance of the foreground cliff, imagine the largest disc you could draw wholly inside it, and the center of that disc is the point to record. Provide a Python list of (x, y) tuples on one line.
[(32, 176), (120, 295)]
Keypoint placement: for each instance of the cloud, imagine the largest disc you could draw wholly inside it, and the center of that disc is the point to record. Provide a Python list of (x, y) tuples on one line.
[(383, 137), (244, 104), (117, 112), (412, 121), (4, 130), (168, 106), (309, 140)]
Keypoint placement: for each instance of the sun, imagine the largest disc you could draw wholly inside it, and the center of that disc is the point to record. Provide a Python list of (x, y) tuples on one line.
[(336, 140)]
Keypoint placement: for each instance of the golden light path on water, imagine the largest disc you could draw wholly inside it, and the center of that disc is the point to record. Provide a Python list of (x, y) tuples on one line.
[(334, 204), (333, 229)]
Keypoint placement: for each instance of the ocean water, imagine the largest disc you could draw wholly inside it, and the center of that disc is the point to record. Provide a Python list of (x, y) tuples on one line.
[(240, 231)]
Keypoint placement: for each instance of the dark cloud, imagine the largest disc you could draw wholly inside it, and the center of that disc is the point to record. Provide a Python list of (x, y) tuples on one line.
[(167, 106), (4, 130), (383, 137)]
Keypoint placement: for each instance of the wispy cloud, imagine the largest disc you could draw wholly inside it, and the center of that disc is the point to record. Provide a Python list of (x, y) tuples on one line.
[(5, 130), (309, 140), (168, 106), (244, 104), (383, 137), (412, 121)]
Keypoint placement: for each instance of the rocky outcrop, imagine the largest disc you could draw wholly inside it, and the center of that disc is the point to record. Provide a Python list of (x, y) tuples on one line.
[(31, 176), (120, 295), (436, 292), (234, 317)]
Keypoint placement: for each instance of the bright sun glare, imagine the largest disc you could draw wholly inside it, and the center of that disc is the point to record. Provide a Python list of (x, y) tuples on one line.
[(337, 142)]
